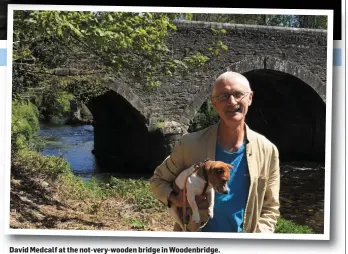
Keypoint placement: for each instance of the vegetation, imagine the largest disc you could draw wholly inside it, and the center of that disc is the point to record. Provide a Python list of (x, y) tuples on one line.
[(60, 56), (25, 124), (79, 51), (205, 117), (46, 194), (286, 226), (298, 21)]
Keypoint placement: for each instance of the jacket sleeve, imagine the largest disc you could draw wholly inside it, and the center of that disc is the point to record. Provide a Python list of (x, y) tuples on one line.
[(270, 209), (166, 173)]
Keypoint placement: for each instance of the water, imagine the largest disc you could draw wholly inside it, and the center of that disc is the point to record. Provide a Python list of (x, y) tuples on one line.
[(302, 183), (74, 143)]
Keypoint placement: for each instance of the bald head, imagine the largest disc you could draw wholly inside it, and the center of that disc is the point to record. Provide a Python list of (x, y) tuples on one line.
[(234, 77)]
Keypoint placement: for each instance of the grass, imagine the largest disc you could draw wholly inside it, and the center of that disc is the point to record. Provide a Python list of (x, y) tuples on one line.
[(137, 192), (289, 227), (118, 204)]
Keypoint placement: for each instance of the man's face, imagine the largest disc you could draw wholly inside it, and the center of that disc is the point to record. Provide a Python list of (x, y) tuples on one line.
[(232, 109)]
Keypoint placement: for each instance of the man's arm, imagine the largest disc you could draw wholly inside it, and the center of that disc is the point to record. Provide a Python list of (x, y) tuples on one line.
[(166, 173), (270, 208)]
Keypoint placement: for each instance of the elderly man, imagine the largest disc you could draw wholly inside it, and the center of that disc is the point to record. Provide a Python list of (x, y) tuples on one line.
[(252, 204)]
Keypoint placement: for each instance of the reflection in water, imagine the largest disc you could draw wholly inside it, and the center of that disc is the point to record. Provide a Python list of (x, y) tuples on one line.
[(74, 143)]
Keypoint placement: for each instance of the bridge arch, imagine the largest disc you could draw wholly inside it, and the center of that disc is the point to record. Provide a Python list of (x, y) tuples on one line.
[(258, 63), (126, 92), (285, 108), (123, 141)]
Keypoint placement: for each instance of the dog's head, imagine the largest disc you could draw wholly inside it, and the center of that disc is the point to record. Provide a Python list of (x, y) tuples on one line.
[(218, 173)]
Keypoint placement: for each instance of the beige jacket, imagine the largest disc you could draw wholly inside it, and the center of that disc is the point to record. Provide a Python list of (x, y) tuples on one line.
[(262, 208)]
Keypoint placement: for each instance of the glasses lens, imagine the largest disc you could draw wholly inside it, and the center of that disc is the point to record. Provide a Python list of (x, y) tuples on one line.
[(224, 97), (238, 95)]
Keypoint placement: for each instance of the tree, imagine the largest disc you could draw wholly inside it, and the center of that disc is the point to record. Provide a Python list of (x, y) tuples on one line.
[(299, 21), (306, 21), (91, 47), (252, 19)]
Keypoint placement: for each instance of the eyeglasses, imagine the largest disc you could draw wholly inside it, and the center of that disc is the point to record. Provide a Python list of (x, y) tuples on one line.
[(237, 95)]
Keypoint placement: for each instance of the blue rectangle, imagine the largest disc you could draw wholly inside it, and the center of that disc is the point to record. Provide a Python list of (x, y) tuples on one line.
[(337, 57), (3, 57)]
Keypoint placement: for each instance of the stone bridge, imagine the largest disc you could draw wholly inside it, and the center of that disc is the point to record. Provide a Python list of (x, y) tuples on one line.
[(135, 130)]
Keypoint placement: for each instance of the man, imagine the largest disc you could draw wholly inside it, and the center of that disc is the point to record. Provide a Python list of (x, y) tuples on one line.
[(252, 205)]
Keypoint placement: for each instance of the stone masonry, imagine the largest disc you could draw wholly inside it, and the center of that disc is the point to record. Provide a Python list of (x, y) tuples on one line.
[(296, 58)]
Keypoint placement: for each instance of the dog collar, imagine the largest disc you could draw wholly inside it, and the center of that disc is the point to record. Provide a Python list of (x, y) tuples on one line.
[(205, 175)]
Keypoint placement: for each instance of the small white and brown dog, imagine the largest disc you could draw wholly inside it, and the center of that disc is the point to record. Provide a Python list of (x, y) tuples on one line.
[(206, 177)]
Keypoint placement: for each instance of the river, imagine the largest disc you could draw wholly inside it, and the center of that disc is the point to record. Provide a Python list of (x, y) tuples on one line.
[(74, 143)]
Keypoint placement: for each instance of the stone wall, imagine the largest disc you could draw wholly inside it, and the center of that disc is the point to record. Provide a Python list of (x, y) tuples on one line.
[(297, 58), (300, 52)]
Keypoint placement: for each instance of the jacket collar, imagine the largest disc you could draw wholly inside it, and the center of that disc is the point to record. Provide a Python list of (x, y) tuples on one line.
[(250, 137)]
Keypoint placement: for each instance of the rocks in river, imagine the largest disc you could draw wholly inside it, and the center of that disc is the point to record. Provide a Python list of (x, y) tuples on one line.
[(79, 114)]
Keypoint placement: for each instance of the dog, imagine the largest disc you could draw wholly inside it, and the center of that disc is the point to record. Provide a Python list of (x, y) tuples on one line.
[(208, 176)]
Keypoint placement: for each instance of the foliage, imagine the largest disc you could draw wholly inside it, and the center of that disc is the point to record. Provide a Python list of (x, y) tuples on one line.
[(24, 124), (288, 227), (30, 161), (96, 45), (55, 105), (299, 21), (205, 117), (254, 19), (306, 21)]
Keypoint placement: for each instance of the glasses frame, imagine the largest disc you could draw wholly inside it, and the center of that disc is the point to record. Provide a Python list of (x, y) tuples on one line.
[(237, 100)]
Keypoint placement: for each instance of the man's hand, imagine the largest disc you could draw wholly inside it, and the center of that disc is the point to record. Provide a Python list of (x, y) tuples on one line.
[(178, 200)]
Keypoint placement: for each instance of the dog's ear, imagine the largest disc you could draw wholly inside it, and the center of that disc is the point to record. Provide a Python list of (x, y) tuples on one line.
[(229, 165)]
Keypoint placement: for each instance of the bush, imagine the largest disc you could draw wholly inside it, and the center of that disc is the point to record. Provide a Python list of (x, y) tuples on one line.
[(55, 105), (31, 161), (24, 123)]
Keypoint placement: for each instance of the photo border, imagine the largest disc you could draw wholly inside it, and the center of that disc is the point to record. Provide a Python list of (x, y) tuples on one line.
[(164, 234)]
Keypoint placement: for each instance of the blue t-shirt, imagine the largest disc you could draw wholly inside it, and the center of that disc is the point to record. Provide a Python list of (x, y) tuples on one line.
[(229, 208)]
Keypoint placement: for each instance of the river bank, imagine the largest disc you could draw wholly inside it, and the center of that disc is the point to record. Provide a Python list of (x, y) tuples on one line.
[(62, 189), (42, 205)]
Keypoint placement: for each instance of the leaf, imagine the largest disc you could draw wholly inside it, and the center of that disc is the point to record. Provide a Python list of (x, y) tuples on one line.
[(181, 63)]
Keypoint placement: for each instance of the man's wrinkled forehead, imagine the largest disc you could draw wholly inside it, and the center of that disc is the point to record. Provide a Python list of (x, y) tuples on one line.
[(234, 78)]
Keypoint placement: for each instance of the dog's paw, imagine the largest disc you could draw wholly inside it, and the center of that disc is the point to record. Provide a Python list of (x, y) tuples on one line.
[(196, 218)]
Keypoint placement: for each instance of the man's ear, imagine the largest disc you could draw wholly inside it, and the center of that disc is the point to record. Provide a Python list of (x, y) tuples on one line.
[(250, 97)]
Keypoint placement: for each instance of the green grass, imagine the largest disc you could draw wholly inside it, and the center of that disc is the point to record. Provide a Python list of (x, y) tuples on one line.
[(138, 192), (289, 227)]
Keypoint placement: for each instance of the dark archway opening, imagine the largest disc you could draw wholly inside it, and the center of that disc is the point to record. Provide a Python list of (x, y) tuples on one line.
[(122, 142), (289, 113)]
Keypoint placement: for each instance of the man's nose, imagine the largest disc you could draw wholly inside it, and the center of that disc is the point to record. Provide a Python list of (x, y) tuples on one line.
[(231, 99)]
